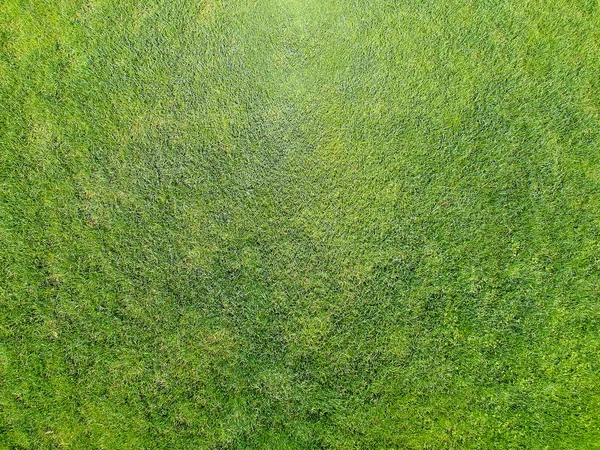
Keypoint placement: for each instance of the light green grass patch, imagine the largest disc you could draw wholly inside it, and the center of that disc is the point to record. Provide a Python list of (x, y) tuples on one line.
[(299, 224)]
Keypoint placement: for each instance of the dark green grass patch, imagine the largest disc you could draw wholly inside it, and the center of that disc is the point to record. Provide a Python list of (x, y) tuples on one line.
[(290, 224)]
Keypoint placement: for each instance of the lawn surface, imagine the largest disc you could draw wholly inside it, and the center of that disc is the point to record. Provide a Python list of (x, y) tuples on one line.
[(299, 224)]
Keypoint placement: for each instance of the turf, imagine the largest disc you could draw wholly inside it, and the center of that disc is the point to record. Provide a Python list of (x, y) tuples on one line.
[(287, 224)]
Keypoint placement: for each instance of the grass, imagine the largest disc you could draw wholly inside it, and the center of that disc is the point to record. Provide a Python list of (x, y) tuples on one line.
[(286, 224)]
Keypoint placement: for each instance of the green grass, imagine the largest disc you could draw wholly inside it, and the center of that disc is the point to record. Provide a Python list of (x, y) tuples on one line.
[(299, 224)]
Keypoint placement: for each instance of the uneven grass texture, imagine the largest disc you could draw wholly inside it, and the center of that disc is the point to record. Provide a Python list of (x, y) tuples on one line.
[(299, 224)]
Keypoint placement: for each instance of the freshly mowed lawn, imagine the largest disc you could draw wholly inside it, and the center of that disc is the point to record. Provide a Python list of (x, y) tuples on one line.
[(299, 224)]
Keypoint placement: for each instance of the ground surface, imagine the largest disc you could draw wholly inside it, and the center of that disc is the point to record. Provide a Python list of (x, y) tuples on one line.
[(289, 224)]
